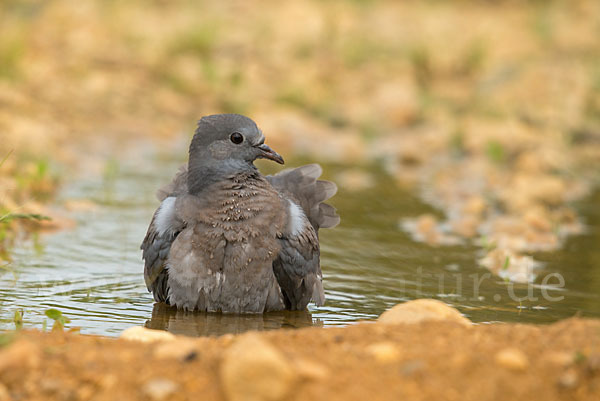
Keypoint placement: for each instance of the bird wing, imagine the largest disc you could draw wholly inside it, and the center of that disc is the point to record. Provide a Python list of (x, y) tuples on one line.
[(297, 267), (164, 228)]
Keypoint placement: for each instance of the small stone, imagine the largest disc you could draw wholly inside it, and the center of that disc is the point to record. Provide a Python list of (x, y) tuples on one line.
[(593, 363), (180, 349), (4, 394), (144, 335), (384, 351), (108, 382), (568, 379), (311, 370), (22, 354), (412, 367), (254, 370), (421, 310), (85, 392), (49, 385), (512, 358), (159, 389), (426, 224), (475, 206), (562, 359)]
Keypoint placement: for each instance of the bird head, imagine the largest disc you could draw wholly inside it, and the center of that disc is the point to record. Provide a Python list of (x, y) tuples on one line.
[(225, 144)]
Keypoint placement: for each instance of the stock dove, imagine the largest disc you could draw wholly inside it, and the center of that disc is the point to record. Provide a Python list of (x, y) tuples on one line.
[(227, 239)]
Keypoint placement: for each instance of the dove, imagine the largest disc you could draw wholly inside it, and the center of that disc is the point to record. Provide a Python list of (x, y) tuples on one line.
[(228, 239)]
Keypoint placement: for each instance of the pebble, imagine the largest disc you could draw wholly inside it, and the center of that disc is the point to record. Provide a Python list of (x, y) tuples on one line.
[(20, 355), (562, 359), (180, 349), (254, 370), (159, 389), (593, 363), (144, 335), (512, 358), (420, 310), (568, 379), (384, 351), (311, 370), (4, 394)]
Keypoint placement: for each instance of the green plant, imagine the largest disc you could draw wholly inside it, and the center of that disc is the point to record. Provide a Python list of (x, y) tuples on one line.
[(420, 59), (59, 319), (8, 217), (495, 152), (18, 319), (5, 157)]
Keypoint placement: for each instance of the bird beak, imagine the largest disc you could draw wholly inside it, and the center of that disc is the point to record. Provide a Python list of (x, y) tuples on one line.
[(268, 153)]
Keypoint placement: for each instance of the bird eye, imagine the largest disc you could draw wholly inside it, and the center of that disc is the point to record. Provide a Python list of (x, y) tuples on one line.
[(237, 138)]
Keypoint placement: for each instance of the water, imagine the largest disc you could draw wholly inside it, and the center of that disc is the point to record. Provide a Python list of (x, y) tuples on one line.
[(93, 273)]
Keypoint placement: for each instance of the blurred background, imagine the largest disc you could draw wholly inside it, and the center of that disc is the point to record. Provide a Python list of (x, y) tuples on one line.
[(464, 137)]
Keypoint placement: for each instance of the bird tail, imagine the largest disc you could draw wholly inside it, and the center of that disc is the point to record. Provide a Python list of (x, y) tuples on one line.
[(310, 192)]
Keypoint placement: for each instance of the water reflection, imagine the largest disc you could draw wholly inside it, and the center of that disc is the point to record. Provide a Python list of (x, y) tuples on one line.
[(165, 317)]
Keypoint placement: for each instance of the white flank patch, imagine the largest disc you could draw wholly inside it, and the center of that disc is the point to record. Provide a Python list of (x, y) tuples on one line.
[(164, 217), (297, 219)]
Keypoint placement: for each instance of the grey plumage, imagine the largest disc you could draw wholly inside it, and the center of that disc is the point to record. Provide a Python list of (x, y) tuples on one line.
[(226, 238)]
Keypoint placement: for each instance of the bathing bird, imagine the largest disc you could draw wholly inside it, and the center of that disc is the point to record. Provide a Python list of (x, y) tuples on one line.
[(226, 238)]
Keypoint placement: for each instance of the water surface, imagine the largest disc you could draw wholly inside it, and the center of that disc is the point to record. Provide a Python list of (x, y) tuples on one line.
[(93, 273)]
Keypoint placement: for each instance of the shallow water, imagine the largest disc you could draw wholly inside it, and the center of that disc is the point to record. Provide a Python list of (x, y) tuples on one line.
[(93, 273)]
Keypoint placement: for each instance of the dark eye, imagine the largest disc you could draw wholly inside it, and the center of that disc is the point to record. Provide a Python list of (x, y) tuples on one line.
[(237, 138)]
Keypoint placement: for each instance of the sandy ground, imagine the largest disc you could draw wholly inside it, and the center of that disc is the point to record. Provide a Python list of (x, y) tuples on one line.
[(429, 360)]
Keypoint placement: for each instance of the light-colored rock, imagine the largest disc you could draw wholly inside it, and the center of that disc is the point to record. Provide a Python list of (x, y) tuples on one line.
[(384, 351), (181, 349), (512, 358), (159, 389), (421, 310), (4, 394), (254, 370), (569, 379), (22, 354), (310, 370), (562, 359), (144, 335), (510, 265)]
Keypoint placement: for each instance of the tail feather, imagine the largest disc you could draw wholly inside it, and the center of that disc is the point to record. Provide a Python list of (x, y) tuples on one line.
[(303, 185)]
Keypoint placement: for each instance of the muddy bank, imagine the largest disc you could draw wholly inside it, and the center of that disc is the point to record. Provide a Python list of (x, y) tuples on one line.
[(442, 360)]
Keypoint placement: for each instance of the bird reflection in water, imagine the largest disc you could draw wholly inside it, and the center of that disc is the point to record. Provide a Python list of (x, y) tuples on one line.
[(196, 324)]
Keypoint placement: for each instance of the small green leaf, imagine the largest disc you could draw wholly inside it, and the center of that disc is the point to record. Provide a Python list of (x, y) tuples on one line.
[(506, 263), (54, 314)]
